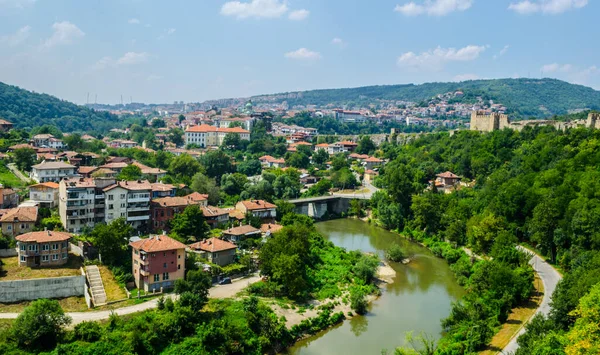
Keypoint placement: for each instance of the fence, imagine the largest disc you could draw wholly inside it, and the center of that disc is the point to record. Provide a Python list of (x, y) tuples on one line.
[(33, 289), (5, 253)]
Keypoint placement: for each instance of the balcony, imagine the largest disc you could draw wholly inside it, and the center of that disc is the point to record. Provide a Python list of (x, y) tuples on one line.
[(137, 208), (80, 215), (144, 271), (138, 199), (99, 197), (138, 218)]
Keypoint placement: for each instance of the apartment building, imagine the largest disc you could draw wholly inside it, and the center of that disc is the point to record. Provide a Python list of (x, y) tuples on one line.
[(211, 136), (129, 200), (164, 209), (81, 202), (44, 194)]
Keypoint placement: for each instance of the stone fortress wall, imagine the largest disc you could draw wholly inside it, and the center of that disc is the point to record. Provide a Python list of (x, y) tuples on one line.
[(493, 122)]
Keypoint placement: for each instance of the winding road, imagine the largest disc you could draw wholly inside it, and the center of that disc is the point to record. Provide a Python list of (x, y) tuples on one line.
[(219, 291), (550, 277)]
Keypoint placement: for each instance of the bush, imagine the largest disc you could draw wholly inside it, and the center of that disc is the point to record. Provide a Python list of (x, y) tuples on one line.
[(394, 253), (88, 331), (40, 326), (358, 300)]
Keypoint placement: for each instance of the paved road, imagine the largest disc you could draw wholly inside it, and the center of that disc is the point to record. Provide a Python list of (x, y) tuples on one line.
[(550, 277), (218, 291), (13, 168), (360, 195)]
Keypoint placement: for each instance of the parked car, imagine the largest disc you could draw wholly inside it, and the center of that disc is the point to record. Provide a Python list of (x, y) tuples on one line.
[(225, 281)]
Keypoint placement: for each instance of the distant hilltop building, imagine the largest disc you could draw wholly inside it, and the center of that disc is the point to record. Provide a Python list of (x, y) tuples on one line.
[(492, 122)]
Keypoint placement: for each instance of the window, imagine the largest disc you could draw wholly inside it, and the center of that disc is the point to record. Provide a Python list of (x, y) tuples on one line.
[(65, 244), (165, 265), (9, 227), (54, 257), (23, 226), (164, 253), (165, 276), (156, 277), (111, 207), (122, 205), (33, 247), (45, 247), (45, 258), (178, 267), (55, 246), (122, 196), (178, 256), (22, 246), (65, 255), (23, 259), (110, 197)]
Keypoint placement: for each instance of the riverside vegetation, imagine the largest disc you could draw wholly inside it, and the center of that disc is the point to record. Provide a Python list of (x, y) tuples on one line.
[(538, 187)]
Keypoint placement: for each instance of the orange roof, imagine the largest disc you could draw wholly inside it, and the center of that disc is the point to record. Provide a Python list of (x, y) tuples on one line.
[(139, 185), (448, 175), (322, 145), (371, 172), (197, 197), (175, 201), (273, 228), (157, 243), (211, 211), (79, 182), (87, 169), (348, 143), (204, 128), (236, 214), (213, 245), (257, 205), (51, 185), (20, 214), (44, 237), (373, 160), (241, 230), (115, 165), (159, 186)]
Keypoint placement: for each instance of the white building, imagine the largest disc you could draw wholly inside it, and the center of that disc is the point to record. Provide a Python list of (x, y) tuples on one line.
[(45, 194), (81, 203), (129, 200), (211, 136), (349, 116), (52, 171)]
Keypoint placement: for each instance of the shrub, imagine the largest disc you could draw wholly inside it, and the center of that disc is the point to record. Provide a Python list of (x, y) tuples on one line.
[(394, 253), (88, 331), (358, 300)]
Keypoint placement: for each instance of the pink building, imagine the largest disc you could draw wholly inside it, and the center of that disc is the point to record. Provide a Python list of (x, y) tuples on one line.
[(157, 262)]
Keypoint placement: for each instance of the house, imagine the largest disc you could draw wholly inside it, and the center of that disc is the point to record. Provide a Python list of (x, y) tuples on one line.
[(215, 250), (44, 248), (160, 189), (157, 262), (215, 216), (19, 220), (258, 208), (270, 228), (129, 200), (52, 171), (8, 197), (155, 173), (268, 161), (164, 209), (5, 125), (372, 162), (348, 145), (370, 175), (446, 181), (115, 166), (237, 234), (86, 171), (44, 194)]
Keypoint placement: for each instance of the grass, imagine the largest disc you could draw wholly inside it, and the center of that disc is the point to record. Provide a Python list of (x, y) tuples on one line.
[(517, 318), (114, 291), (12, 270), (69, 304), (7, 178)]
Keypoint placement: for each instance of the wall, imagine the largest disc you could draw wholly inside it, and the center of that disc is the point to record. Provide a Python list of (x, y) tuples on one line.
[(5, 253), (33, 289)]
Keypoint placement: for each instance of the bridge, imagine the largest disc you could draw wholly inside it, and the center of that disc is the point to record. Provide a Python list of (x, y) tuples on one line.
[(317, 207)]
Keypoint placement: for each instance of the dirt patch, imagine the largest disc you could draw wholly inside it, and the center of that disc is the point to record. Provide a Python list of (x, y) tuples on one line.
[(385, 273)]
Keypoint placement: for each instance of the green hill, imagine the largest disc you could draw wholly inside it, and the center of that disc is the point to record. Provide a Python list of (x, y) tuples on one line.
[(27, 109), (523, 97)]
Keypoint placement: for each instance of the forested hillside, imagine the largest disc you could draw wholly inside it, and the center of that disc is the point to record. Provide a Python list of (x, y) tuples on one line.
[(539, 187), (27, 109), (523, 97)]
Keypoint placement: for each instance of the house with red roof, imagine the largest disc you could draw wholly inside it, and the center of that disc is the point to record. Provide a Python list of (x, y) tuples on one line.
[(43, 249), (157, 262), (210, 136), (258, 208), (215, 250)]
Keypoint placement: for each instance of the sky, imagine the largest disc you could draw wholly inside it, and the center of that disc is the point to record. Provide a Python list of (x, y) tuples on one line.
[(162, 51)]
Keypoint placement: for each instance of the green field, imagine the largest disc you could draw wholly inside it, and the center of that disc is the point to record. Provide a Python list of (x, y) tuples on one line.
[(8, 179)]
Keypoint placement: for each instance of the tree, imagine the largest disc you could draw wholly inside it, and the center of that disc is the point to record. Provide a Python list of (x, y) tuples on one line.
[(158, 123), (544, 222), (322, 187), (74, 141), (183, 167), (339, 162), (365, 268), (130, 172), (181, 118), (189, 225), (250, 167), (320, 157), (196, 281), (24, 158), (344, 179), (112, 241), (298, 160), (284, 208), (358, 300), (482, 230), (365, 145), (176, 137), (584, 337), (394, 253), (233, 184), (232, 140), (217, 163), (205, 185), (40, 326)]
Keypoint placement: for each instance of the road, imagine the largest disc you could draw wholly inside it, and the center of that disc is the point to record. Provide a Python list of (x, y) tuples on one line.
[(360, 195), (13, 168), (218, 291), (550, 277)]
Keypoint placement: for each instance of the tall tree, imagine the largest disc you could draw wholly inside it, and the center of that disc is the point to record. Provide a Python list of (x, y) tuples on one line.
[(112, 241), (189, 225), (40, 326)]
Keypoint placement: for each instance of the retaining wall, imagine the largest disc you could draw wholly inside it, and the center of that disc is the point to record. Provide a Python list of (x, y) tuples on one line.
[(5, 253), (33, 289)]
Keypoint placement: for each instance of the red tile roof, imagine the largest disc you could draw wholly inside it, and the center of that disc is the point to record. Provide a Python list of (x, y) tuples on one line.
[(44, 237), (132, 185), (51, 185), (204, 128), (448, 175), (213, 245), (157, 243), (257, 205), (20, 214), (273, 228), (241, 230)]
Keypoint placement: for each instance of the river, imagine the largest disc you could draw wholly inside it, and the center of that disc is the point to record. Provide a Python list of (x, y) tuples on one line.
[(421, 295)]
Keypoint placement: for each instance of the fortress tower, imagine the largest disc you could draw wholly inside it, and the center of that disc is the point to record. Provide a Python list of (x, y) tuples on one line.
[(593, 120), (487, 123)]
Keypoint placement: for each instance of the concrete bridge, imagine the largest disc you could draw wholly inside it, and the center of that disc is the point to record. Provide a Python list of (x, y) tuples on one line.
[(317, 207)]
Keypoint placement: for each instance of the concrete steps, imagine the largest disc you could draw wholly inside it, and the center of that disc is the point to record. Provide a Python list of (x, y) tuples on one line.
[(96, 286)]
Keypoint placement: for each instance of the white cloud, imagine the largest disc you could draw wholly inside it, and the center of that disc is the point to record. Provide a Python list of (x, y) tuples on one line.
[(16, 38), (131, 58), (436, 58), (134, 21), (16, 4), (570, 72), (502, 52), (299, 15), (465, 77), (64, 33), (167, 33), (303, 54), (338, 42), (103, 63), (254, 8), (551, 7), (433, 7)]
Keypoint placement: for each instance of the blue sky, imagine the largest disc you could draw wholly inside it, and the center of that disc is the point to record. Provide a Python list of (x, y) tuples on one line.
[(161, 51)]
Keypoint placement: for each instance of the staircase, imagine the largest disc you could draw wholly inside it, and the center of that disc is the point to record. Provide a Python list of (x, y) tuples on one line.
[(96, 286)]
